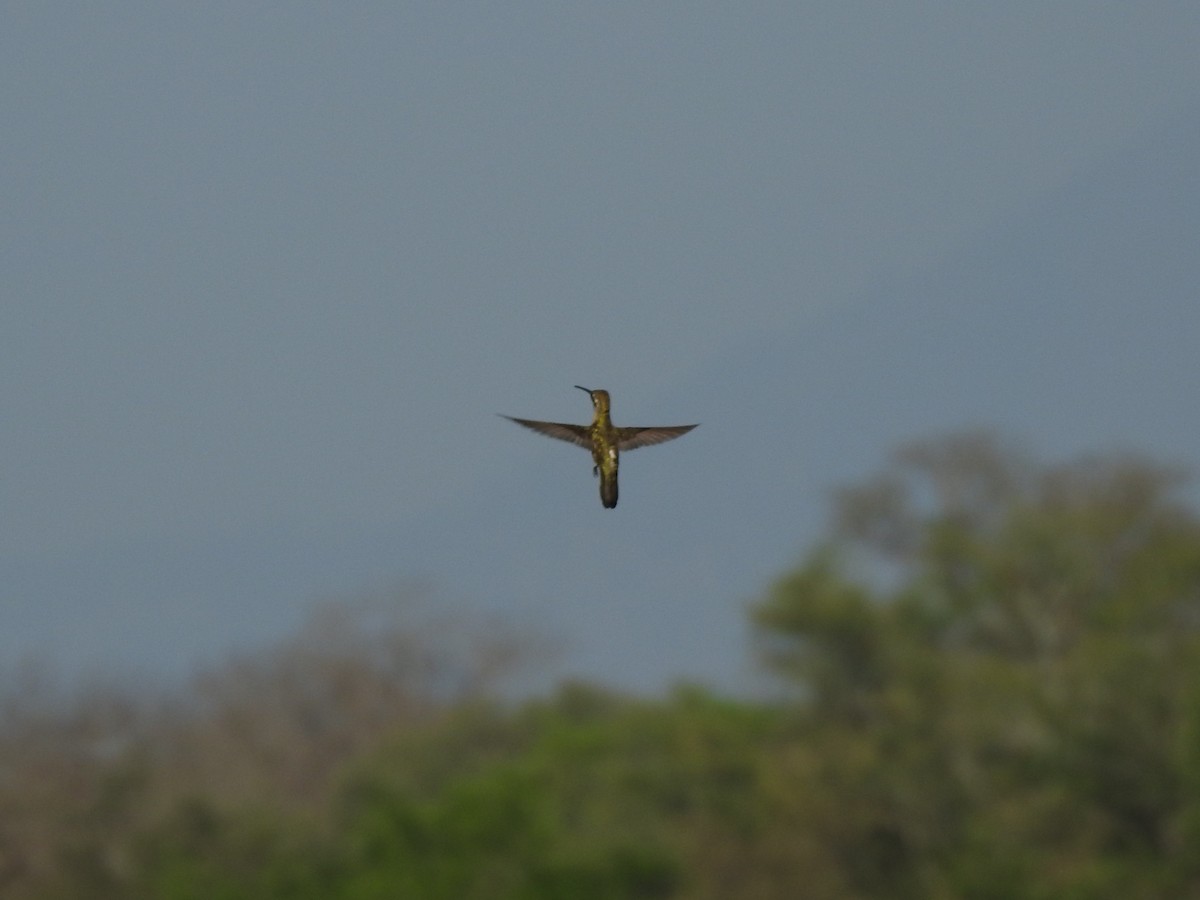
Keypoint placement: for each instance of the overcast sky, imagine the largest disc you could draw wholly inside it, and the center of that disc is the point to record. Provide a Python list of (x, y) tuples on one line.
[(270, 271)]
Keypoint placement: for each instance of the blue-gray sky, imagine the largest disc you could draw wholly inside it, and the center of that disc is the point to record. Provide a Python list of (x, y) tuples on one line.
[(269, 273)]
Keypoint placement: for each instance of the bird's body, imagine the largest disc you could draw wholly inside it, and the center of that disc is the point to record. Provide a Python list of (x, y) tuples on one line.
[(605, 440)]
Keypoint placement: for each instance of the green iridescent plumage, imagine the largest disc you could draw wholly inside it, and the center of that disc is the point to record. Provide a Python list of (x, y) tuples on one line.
[(605, 440)]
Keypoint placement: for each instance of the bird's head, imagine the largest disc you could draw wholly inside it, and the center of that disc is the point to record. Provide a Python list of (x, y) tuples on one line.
[(599, 398)]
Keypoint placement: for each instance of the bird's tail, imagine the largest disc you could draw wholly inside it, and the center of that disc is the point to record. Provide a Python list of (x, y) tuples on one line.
[(608, 489)]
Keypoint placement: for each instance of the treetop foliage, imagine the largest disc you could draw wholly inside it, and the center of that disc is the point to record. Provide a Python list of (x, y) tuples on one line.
[(993, 672)]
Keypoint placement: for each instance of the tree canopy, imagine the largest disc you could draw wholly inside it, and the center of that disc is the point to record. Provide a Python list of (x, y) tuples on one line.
[(991, 688), (1010, 688)]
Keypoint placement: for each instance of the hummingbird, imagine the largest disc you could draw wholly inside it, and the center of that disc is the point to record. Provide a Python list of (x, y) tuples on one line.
[(605, 440)]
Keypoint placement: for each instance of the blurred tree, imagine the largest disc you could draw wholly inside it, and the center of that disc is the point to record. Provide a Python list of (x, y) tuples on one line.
[(996, 676), (276, 725), (583, 795), (1003, 702), (103, 787)]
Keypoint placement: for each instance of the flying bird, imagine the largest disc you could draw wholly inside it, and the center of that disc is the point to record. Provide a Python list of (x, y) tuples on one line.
[(605, 440)]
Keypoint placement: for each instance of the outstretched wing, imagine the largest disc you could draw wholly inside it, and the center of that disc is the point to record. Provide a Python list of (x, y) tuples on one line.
[(632, 438), (572, 434)]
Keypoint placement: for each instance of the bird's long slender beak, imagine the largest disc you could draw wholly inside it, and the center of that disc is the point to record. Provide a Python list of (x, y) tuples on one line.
[(582, 388)]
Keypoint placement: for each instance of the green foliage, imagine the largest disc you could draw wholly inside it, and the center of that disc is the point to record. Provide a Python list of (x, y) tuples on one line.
[(585, 796), (1013, 702), (995, 677)]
